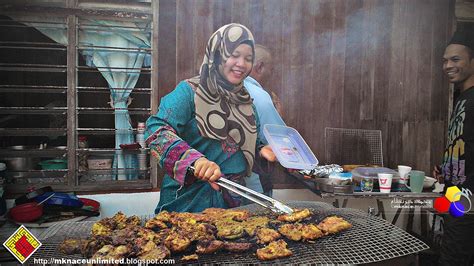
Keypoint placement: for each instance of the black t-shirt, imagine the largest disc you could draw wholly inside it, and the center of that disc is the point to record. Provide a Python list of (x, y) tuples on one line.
[(458, 159)]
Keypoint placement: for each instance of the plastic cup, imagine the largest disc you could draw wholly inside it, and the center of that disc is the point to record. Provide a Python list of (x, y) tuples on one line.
[(385, 182), (403, 171), (366, 184)]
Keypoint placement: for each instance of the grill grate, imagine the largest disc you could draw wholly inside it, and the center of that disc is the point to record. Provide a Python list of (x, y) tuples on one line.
[(371, 239), (353, 146)]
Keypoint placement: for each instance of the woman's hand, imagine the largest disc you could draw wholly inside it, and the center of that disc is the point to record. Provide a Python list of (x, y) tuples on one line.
[(207, 171), (267, 153)]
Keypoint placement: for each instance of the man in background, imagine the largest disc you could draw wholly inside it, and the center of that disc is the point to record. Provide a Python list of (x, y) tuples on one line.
[(267, 113), (457, 247)]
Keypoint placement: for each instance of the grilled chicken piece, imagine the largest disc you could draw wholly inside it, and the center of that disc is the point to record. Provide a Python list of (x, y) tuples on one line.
[(150, 251), (71, 246), (267, 235), (236, 215), (333, 225), (292, 231), (161, 236), (120, 220), (163, 216), (123, 236), (133, 221), (146, 234), (190, 257), (274, 250), (109, 252), (103, 252), (177, 217), (155, 224), (296, 216), (176, 242), (203, 231), (229, 229), (93, 244), (237, 246), (214, 214), (311, 232), (252, 223), (102, 228), (209, 246)]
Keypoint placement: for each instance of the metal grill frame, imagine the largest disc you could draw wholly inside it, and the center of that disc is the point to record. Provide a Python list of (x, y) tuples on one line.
[(373, 138), (371, 239)]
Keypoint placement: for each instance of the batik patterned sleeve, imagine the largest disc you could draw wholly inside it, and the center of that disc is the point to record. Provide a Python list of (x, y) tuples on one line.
[(163, 133)]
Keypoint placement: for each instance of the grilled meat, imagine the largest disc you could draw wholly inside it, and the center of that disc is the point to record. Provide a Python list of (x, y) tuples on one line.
[(103, 227), (146, 234), (150, 251), (209, 246), (237, 246), (71, 246), (296, 216), (178, 217), (333, 225), (109, 252), (292, 231), (119, 237), (161, 236), (176, 242), (229, 229), (267, 235), (123, 236), (274, 250), (311, 232), (120, 220), (252, 223), (93, 244), (190, 257), (214, 214), (133, 221), (155, 224)]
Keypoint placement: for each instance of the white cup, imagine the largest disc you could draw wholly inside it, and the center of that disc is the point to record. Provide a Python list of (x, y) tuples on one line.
[(403, 171), (385, 182)]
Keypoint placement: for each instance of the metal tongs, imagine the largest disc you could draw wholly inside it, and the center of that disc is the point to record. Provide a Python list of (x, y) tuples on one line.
[(263, 200)]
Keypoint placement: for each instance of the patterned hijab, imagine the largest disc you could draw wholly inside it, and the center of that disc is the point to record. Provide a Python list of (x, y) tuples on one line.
[(223, 110)]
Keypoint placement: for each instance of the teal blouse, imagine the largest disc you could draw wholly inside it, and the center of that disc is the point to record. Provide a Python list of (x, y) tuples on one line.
[(174, 140)]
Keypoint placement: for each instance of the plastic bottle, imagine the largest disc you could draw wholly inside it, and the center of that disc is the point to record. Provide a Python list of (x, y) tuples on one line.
[(141, 140)]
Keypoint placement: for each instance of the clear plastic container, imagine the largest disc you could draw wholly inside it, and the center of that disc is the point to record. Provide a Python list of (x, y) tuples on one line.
[(289, 147)]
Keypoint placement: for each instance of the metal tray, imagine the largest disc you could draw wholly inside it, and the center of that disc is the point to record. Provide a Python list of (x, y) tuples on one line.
[(322, 184)]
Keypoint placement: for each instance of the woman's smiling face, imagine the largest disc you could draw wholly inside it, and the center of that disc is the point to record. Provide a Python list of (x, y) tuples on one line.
[(238, 65)]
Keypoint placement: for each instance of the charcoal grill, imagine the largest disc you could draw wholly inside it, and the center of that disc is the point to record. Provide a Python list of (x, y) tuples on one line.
[(371, 239)]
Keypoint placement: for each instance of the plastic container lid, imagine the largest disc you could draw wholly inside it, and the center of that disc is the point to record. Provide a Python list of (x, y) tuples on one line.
[(289, 147), (373, 171)]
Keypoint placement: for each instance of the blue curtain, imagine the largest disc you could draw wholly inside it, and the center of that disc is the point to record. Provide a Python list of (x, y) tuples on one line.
[(114, 67)]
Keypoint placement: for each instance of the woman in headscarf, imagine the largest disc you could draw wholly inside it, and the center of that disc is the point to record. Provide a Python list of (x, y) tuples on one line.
[(208, 122)]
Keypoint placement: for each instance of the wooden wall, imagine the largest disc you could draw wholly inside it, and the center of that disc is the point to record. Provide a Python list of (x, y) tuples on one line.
[(372, 64)]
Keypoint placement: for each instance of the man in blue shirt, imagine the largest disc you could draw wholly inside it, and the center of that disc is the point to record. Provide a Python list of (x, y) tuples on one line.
[(267, 113)]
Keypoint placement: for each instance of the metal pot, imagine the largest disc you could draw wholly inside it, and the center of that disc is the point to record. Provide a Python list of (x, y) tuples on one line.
[(20, 163)]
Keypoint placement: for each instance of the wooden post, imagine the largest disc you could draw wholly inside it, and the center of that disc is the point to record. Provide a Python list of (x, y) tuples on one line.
[(71, 96), (154, 83)]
